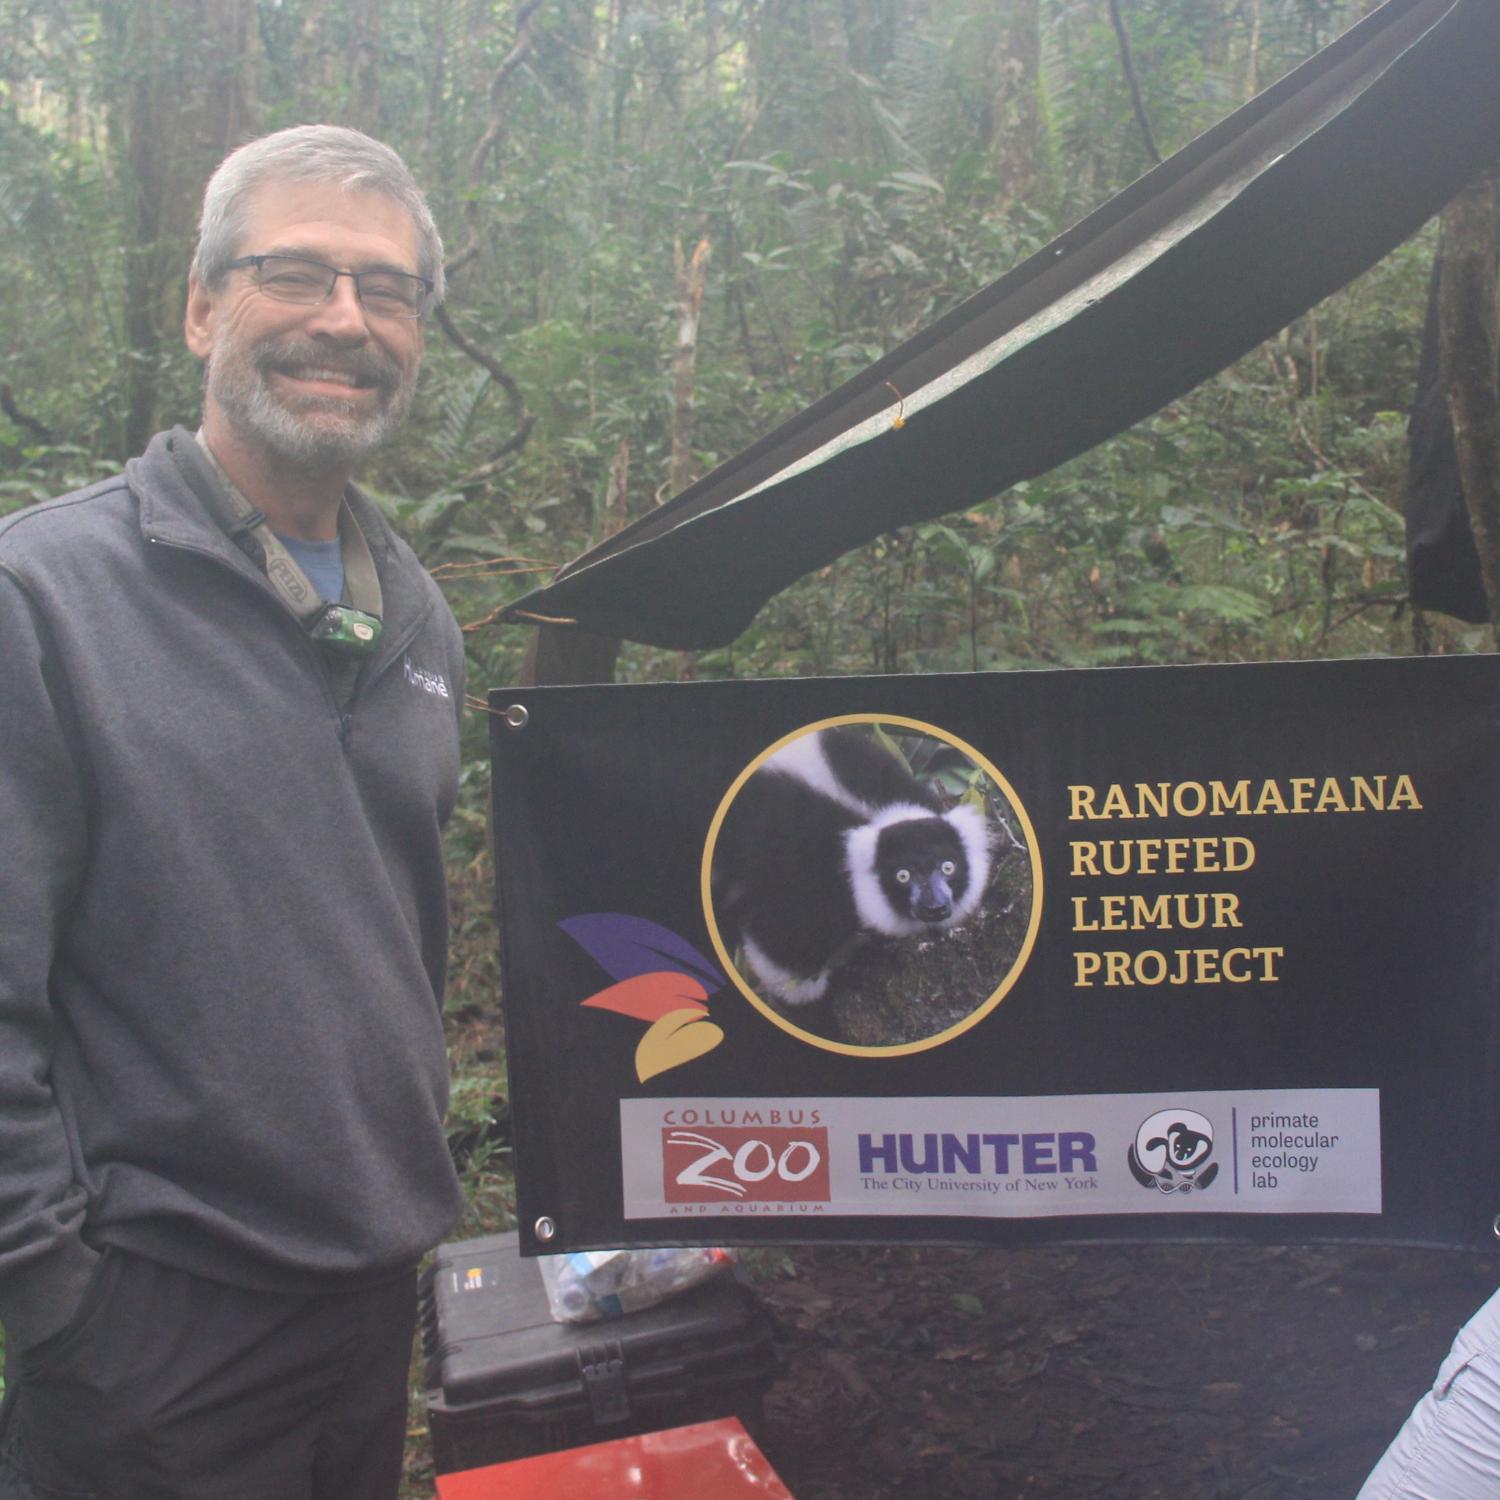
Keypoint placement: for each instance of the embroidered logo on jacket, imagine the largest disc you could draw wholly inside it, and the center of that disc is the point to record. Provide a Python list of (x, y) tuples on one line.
[(429, 682)]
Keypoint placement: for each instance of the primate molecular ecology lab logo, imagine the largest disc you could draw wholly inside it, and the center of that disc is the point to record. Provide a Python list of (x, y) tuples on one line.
[(1172, 1150)]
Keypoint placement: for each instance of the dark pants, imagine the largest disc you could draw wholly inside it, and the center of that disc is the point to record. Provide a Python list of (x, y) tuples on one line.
[(169, 1387)]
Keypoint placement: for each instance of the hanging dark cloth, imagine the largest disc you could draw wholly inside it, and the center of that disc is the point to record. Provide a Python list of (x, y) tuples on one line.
[(1441, 560)]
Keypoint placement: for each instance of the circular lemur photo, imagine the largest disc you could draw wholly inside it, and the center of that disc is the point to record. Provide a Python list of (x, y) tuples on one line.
[(872, 884)]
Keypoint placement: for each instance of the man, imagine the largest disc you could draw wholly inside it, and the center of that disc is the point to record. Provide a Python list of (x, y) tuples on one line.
[(229, 699)]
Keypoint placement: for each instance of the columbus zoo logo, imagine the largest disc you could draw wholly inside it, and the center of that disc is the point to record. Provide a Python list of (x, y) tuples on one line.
[(1172, 1150), (750, 1157)]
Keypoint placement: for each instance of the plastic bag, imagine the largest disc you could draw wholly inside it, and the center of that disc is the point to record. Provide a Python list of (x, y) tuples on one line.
[(593, 1284)]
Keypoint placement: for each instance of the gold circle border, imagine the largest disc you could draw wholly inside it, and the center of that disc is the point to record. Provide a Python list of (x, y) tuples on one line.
[(975, 1016)]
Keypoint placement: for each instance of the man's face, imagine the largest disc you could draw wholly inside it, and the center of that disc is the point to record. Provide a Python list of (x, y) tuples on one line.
[(318, 385)]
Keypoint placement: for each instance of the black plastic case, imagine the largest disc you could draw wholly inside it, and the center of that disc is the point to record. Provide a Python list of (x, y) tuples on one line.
[(504, 1381)]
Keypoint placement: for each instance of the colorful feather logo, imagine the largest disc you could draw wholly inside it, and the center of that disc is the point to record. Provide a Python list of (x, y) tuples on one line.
[(660, 979)]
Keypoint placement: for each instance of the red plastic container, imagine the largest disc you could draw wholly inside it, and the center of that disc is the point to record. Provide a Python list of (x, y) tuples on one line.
[(711, 1459)]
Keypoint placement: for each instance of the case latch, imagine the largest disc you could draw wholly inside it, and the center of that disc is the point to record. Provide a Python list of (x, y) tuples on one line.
[(602, 1367)]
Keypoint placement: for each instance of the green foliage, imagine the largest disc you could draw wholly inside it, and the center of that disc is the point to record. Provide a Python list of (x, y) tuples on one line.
[(859, 171)]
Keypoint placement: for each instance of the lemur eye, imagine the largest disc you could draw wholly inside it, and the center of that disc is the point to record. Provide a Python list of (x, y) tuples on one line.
[(948, 867), (903, 877)]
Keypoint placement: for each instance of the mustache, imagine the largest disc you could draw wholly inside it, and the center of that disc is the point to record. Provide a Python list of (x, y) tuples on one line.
[(366, 367)]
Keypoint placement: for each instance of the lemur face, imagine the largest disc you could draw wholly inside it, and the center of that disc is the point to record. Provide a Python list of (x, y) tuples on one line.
[(1186, 1147), (923, 869)]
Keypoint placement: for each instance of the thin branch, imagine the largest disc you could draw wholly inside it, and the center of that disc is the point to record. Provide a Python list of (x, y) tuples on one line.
[(524, 418), (519, 52), (1362, 605), (501, 609), (38, 430), (1130, 78), (486, 566)]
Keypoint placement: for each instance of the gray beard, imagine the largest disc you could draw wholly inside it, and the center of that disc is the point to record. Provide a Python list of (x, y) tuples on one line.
[(238, 381)]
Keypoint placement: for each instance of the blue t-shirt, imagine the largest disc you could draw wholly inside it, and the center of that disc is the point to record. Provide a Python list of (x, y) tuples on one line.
[(323, 562)]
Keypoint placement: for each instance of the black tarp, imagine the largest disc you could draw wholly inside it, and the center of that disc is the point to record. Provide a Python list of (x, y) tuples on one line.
[(1243, 230), (1442, 561)]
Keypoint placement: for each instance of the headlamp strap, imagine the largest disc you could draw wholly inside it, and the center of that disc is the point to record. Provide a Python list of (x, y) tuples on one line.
[(355, 626)]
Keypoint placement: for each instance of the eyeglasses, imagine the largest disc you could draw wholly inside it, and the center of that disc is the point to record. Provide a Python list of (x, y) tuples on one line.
[(290, 278)]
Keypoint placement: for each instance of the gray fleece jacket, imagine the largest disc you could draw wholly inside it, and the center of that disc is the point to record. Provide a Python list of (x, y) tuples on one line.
[(223, 918)]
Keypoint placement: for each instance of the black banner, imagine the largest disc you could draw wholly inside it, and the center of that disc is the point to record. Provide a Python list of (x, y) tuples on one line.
[(1202, 952)]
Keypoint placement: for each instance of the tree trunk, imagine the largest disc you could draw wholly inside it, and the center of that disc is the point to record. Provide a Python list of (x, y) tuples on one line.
[(1014, 101), (1252, 59), (438, 156), (364, 67), (617, 493), (310, 61), (692, 276), (1469, 333), (186, 95), (559, 654)]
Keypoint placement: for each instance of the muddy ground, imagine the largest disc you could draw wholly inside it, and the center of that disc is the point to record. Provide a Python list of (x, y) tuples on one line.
[(1207, 1372), (1123, 1373)]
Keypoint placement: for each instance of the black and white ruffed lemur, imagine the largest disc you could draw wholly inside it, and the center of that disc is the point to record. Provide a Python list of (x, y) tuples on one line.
[(833, 839)]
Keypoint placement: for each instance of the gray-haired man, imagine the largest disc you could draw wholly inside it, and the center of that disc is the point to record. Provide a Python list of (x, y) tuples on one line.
[(229, 700)]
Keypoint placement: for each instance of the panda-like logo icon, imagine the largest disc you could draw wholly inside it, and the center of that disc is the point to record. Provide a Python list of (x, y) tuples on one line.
[(1171, 1152)]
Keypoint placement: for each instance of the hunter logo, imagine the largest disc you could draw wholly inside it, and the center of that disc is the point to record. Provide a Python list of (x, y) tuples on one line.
[(1171, 1152), (754, 1164)]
